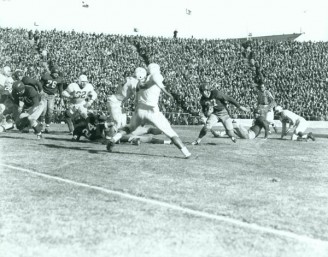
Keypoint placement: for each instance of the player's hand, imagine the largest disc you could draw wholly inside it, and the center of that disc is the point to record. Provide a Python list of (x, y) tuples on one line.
[(87, 104), (73, 94)]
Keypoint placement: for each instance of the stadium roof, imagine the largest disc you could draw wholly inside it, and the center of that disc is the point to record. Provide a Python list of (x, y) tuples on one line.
[(283, 37)]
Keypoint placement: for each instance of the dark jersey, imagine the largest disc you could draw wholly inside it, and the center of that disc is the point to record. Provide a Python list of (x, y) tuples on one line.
[(32, 82), (258, 124), (92, 128), (221, 101), (206, 104), (30, 97), (50, 85)]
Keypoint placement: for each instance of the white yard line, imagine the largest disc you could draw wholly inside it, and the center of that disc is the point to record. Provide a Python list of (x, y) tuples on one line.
[(252, 226)]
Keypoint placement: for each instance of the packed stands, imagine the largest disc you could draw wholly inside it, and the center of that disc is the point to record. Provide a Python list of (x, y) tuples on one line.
[(295, 72)]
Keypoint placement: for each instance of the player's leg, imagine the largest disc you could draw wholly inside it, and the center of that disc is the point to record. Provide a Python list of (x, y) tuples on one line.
[(6, 126), (49, 113), (218, 133), (159, 121), (300, 128), (115, 110), (34, 114), (68, 118), (45, 110), (210, 122), (227, 123), (135, 122), (78, 130), (270, 117), (240, 131)]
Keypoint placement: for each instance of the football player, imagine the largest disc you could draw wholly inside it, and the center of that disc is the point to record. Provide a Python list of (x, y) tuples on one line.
[(91, 128), (254, 131), (147, 110), (28, 106), (116, 101), (51, 85), (18, 75), (296, 123), (266, 103), (214, 104), (81, 96), (6, 82), (4, 126), (5, 78)]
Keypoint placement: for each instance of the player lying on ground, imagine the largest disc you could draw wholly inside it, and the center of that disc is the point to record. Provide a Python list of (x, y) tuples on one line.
[(91, 128), (214, 106), (94, 126), (254, 131), (296, 123)]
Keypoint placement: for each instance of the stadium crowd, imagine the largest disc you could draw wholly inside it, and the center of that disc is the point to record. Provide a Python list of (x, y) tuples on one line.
[(295, 72)]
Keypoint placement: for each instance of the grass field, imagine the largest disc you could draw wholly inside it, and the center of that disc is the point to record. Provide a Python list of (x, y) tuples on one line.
[(252, 198)]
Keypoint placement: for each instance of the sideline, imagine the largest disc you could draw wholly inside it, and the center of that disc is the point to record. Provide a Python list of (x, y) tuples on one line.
[(252, 226)]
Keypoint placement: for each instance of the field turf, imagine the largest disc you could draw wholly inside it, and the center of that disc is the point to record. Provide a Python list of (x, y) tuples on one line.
[(252, 198)]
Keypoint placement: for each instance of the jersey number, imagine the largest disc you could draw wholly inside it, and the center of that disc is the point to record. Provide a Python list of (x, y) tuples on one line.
[(87, 131), (51, 83), (80, 94)]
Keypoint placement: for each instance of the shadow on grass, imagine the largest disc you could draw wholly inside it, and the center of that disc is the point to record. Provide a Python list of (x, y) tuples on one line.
[(93, 151)]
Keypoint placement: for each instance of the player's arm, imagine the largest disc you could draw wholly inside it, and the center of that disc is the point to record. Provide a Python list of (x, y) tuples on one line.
[(207, 109), (158, 79), (68, 92), (60, 88), (225, 98), (272, 102), (283, 130), (93, 96), (35, 98)]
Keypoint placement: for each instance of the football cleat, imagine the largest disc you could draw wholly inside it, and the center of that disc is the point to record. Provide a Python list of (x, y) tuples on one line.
[(110, 145), (233, 139), (46, 130), (136, 141), (195, 142), (310, 135), (39, 136), (187, 156)]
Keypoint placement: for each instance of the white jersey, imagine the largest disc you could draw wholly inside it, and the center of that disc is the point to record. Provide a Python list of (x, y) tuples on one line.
[(150, 91), (80, 94), (289, 117), (127, 90)]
